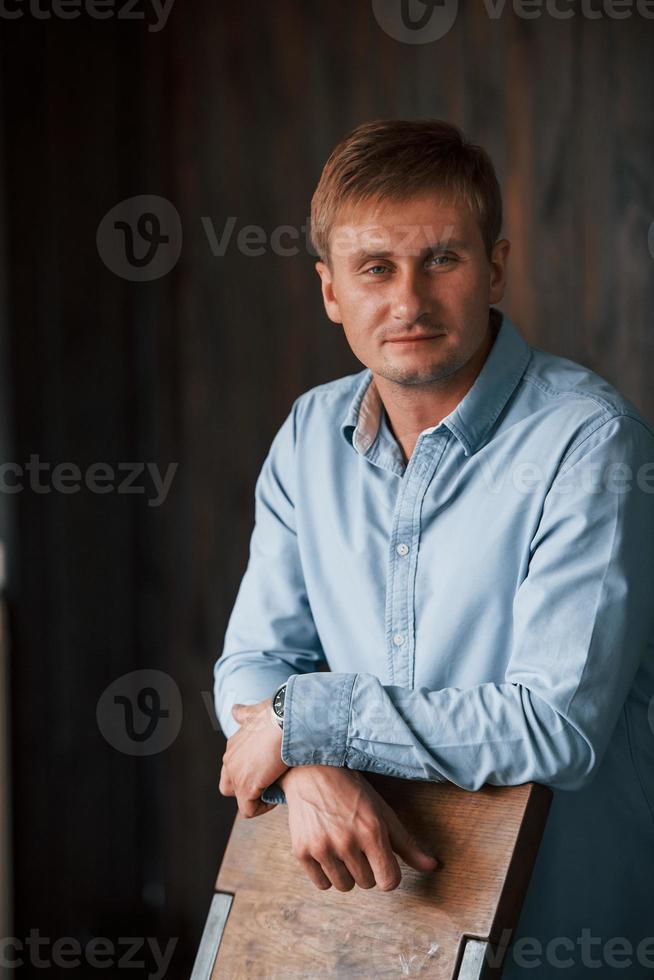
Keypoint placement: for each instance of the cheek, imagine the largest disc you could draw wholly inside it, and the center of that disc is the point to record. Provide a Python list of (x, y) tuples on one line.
[(465, 286), (357, 336), (362, 312), (467, 298)]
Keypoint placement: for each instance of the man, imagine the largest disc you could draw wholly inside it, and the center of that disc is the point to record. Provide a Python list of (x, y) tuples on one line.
[(463, 532)]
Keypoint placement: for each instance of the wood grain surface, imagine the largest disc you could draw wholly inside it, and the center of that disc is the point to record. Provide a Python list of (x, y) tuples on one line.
[(280, 925)]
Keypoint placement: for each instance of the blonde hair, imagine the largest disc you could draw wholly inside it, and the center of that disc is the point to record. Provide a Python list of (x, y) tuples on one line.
[(398, 159)]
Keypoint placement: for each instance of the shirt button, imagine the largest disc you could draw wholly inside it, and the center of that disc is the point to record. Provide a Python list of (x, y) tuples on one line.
[(398, 639), (402, 549)]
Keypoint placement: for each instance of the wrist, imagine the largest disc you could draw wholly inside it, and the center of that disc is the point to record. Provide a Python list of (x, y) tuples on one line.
[(283, 780), (296, 775)]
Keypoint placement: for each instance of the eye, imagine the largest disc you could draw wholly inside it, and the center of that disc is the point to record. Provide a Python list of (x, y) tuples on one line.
[(441, 260), (373, 267)]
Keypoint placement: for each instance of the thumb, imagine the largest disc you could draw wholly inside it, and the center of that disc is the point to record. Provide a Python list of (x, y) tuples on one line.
[(404, 844), (236, 710)]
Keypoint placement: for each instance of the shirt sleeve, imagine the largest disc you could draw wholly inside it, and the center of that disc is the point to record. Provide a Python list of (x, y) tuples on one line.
[(582, 619), (270, 633)]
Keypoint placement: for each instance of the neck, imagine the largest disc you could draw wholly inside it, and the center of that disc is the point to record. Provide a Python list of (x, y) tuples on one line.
[(410, 409)]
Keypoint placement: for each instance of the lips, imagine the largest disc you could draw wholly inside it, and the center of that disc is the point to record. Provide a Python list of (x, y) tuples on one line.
[(412, 339)]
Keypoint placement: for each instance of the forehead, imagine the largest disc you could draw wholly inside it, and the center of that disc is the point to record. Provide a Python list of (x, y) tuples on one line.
[(403, 227)]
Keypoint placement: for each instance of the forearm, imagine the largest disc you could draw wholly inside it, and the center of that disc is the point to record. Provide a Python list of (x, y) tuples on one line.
[(503, 734)]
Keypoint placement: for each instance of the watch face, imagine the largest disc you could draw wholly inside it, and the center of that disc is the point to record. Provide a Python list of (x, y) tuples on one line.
[(278, 702)]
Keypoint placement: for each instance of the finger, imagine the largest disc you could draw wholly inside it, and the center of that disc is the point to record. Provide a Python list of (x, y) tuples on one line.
[(244, 714), (337, 873), (316, 874), (263, 808), (383, 862), (253, 808), (226, 785), (404, 844), (251, 715), (358, 865)]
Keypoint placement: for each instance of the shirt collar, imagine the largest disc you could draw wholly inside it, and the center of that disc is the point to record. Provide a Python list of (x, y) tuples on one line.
[(477, 411)]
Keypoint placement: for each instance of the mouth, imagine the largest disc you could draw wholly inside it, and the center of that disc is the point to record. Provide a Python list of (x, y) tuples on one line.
[(414, 340)]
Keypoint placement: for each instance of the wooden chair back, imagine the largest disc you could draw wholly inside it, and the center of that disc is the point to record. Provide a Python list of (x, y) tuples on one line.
[(268, 920)]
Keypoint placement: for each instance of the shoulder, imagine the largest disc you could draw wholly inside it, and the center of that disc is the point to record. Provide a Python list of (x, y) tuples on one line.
[(315, 418), (327, 404), (581, 403)]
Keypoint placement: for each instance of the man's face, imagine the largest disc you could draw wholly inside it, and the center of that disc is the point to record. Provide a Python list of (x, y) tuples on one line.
[(411, 285)]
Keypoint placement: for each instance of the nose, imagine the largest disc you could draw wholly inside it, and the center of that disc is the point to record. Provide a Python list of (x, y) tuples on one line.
[(409, 301)]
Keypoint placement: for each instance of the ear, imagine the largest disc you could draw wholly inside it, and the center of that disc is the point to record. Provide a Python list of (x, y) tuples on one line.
[(498, 264), (329, 298)]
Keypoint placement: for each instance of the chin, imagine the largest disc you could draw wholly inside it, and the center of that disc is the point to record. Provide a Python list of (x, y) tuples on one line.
[(414, 374)]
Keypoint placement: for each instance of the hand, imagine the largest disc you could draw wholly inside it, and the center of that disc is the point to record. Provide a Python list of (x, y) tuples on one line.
[(343, 832), (252, 759)]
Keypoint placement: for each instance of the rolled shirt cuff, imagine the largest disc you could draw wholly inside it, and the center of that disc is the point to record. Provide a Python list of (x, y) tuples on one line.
[(317, 719)]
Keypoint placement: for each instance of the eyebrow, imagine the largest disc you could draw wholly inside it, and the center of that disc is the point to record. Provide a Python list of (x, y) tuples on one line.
[(446, 243)]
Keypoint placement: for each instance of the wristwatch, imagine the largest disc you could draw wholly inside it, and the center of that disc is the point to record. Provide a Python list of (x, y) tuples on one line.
[(278, 704)]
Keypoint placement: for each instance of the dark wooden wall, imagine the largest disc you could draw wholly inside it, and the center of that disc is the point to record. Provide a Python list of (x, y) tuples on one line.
[(231, 111)]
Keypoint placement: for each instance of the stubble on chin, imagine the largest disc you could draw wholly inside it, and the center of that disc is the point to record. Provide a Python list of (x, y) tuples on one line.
[(420, 375)]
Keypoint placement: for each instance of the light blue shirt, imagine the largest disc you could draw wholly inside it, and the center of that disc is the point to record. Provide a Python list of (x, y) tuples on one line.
[(486, 612)]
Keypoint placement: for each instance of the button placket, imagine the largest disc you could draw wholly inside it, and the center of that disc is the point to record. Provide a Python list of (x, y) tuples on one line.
[(403, 554)]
